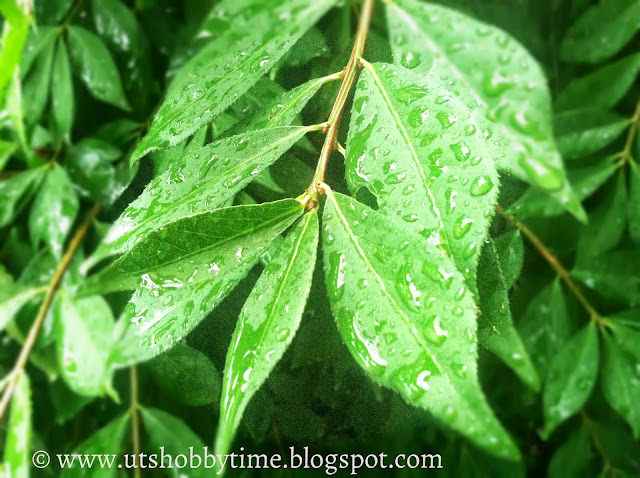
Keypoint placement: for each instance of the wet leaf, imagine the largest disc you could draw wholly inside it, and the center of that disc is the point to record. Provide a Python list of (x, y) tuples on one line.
[(585, 131), (54, 210), (83, 330), (17, 448), (407, 318), (36, 42), (495, 325), (618, 76), (209, 82), (95, 66), (106, 443), (36, 85), (14, 34), (621, 373), (203, 181), (62, 101), (571, 377), (12, 298), (498, 73), (574, 457), (188, 375), (426, 156), (184, 269), (269, 320), (633, 206), (601, 31)]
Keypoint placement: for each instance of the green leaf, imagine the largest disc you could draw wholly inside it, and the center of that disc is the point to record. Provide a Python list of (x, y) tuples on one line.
[(601, 31), (633, 206), (499, 74), (545, 326), (585, 180), (165, 430), (571, 377), (585, 131), (83, 330), (510, 249), (16, 191), (14, 34), (51, 11), (495, 325), (106, 443), (618, 76), (284, 110), (6, 150), (426, 156), (117, 23), (574, 457), (188, 375), (184, 269), (621, 374), (62, 100), (204, 181), (613, 274), (17, 449), (407, 318), (607, 221), (95, 67), (36, 85), (12, 298), (268, 322), (225, 69), (310, 46), (37, 41), (54, 210)]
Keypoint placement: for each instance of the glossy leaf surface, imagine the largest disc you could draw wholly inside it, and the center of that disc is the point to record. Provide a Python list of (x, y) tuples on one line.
[(54, 210), (571, 377), (184, 269), (62, 100), (83, 329), (95, 67), (427, 157), (498, 73), (209, 82), (15, 191), (203, 181), (407, 318), (17, 447), (267, 324)]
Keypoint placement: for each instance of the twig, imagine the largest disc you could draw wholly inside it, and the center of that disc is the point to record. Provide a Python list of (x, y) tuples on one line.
[(44, 308), (135, 422), (341, 99), (555, 265), (631, 135)]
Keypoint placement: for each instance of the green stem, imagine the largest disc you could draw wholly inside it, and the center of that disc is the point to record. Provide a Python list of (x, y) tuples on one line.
[(625, 156), (135, 422), (333, 122)]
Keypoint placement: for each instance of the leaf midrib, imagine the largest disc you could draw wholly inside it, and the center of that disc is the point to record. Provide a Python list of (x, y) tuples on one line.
[(224, 241), (299, 130), (383, 287)]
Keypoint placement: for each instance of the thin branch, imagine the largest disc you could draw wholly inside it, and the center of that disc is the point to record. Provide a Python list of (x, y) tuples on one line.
[(30, 341), (341, 99), (625, 156), (555, 265), (135, 422)]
